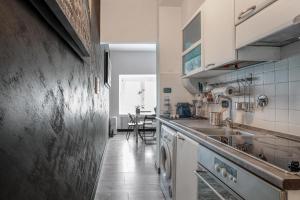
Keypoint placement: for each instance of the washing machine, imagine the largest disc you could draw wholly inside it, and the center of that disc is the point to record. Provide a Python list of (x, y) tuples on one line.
[(168, 162)]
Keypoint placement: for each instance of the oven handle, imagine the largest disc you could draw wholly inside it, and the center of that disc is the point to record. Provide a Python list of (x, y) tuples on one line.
[(211, 187)]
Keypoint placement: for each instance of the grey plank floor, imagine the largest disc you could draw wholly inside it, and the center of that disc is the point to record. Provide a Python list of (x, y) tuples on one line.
[(128, 172)]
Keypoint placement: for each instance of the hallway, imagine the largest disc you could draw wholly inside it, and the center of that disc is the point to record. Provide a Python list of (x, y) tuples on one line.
[(128, 172)]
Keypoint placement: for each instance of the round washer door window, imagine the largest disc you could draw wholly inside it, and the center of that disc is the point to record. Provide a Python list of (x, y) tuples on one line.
[(165, 161)]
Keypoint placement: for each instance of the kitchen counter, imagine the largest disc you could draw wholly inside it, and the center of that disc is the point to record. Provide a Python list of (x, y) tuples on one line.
[(271, 174)]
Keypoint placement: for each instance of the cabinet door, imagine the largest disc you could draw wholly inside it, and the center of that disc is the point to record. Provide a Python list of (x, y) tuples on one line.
[(272, 19), (186, 163), (244, 9), (218, 33)]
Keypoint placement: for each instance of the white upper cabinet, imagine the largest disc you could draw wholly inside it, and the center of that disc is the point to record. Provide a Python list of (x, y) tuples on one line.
[(218, 33), (246, 9), (192, 45), (277, 24), (192, 33), (218, 29)]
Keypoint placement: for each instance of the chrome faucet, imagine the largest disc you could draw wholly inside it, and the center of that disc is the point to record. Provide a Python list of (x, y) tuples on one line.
[(228, 121)]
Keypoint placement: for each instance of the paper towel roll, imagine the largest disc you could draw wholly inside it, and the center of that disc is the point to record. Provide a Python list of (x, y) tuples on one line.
[(227, 91)]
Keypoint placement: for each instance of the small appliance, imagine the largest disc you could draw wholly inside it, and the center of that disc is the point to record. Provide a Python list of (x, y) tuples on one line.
[(183, 110)]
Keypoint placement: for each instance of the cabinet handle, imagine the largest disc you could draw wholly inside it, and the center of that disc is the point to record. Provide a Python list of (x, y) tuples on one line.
[(181, 138), (244, 13), (211, 64)]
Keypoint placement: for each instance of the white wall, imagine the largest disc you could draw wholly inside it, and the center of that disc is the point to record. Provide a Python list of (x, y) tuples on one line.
[(128, 62), (189, 7), (170, 40), (130, 21)]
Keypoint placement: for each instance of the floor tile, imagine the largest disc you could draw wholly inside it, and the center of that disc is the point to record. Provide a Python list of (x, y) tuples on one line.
[(128, 172)]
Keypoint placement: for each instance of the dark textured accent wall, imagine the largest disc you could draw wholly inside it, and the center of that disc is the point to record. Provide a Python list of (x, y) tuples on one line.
[(53, 128)]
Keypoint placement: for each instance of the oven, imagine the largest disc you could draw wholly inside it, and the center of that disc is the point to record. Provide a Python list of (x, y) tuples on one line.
[(211, 188), (221, 179)]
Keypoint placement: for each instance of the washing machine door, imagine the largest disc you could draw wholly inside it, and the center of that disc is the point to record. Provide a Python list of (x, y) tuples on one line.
[(165, 160)]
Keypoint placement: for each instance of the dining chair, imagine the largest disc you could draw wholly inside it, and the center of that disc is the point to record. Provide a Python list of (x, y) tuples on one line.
[(148, 130), (131, 125)]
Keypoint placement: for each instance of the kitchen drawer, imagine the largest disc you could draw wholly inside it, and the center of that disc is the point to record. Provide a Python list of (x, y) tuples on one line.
[(275, 17)]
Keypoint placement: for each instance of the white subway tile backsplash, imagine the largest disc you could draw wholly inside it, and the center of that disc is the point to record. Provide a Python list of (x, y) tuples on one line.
[(282, 96), (269, 114), (270, 125), (282, 116), (234, 75), (280, 81), (294, 73), (294, 129), (282, 102), (281, 127), (294, 88), (281, 76), (272, 102), (268, 77), (269, 67), (294, 102), (269, 89), (258, 69), (249, 70), (282, 65), (259, 90), (294, 61), (257, 122), (294, 117), (228, 77), (258, 79), (282, 89), (259, 114)]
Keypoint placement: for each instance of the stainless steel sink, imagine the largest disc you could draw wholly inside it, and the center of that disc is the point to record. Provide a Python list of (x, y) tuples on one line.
[(222, 132)]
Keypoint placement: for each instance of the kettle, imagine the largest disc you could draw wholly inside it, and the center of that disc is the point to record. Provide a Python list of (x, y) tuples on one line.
[(183, 110)]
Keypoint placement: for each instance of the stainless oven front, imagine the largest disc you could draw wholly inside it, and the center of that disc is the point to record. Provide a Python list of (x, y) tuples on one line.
[(211, 188), (221, 179)]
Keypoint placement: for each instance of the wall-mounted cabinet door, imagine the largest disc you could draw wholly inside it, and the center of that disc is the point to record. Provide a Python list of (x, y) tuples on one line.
[(245, 9), (218, 33), (192, 45), (192, 32)]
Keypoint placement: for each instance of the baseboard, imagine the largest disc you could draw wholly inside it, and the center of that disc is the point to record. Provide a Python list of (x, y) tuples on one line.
[(99, 173)]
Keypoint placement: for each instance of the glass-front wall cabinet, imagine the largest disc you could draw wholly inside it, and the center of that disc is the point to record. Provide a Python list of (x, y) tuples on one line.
[(192, 32), (191, 56), (192, 60)]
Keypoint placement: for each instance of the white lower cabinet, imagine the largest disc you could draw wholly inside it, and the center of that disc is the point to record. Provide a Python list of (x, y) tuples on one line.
[(186, 163)]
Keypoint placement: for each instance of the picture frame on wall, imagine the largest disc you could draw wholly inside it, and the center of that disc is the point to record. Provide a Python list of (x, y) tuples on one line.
[(107, 69)]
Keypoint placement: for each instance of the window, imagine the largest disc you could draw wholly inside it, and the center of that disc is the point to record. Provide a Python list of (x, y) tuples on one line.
[(136, 90)]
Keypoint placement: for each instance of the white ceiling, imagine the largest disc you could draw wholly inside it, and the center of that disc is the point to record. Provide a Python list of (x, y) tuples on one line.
[(132, 47), (170, 2)]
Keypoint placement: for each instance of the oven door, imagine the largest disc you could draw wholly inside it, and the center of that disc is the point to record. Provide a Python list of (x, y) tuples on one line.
[(211, 188)]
